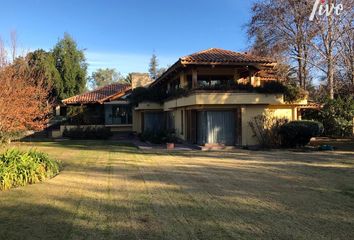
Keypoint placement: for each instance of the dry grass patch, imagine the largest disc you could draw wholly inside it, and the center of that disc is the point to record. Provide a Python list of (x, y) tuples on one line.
[(112, 191)]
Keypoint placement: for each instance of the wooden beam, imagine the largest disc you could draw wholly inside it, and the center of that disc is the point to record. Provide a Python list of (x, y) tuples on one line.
[(194, 78), (183, 80)]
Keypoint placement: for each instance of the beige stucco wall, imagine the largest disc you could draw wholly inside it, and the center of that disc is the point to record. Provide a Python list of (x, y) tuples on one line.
[(181, 133), (204, 98), (283, 112), (136, 121), (249, 112), (149, 106)]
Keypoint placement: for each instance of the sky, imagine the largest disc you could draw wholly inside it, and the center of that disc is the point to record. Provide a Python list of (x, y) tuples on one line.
[(124, 34)]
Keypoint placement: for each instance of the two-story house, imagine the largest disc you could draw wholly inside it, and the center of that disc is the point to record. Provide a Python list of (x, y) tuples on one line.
[(214, 108)]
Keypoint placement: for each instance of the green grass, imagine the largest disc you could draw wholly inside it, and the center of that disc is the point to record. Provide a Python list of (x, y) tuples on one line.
[(114, 191)]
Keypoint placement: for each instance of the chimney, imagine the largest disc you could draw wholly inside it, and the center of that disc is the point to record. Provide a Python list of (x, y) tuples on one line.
[(140, 80)]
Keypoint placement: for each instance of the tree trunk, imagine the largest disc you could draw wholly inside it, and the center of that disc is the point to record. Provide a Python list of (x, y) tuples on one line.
[(329, 55), (300, 67), (330, 78)]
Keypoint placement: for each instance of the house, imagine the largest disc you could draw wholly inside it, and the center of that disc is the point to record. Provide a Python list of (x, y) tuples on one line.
[(106, 106), (210, 99)]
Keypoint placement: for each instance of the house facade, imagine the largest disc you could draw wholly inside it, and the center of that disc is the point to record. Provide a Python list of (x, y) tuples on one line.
[(210, 98)]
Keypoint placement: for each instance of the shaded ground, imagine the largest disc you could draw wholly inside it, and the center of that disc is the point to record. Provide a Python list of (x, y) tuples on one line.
[(109, 191), (346, 144)]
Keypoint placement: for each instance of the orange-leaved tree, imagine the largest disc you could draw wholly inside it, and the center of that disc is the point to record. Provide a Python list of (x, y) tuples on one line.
[(23, 100)]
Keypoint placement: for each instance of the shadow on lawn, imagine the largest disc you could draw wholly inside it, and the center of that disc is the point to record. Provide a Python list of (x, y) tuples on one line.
[(177, 195), (126, 147)]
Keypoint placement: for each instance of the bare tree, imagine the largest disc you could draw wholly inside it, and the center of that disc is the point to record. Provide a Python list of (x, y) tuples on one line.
[(13, 39), (346, 51), (286, 30), (3, 54), (334, 42)]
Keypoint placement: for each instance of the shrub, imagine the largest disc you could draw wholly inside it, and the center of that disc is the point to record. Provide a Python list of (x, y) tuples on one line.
[(266, 129), (299, 133), (18, 168), (152, 94), (336, 116), (228, 86), (87, 133), (271, 87), (159, 137), (294, 93)]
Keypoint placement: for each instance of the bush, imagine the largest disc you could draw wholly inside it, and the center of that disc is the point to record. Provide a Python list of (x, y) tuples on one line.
[(266, 129), (336, 116), (299, 133), (159, 137), (271, 87), (294, 93), (18, 168), (228, 86), (87, 133), (150, 94)]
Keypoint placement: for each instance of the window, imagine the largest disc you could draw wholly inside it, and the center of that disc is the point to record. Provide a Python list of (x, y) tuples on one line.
[(212, 81), (118, 114)]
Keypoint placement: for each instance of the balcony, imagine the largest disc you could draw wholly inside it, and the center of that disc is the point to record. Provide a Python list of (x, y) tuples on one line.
[(220, 97)]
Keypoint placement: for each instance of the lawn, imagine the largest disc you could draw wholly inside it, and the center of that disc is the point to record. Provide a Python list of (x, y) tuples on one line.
[(113, 191)]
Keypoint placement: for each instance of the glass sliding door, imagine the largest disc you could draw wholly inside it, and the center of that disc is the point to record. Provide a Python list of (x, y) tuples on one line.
[(153, 121), (216, 127)]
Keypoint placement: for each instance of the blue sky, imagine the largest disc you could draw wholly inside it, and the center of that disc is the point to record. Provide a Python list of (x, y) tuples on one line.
[(123, 34)]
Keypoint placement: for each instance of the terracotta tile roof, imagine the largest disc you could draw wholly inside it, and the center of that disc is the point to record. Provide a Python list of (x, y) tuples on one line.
[(98, 95), (216, 55)]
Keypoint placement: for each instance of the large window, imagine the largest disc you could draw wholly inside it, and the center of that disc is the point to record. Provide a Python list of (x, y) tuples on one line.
[(118, 114)]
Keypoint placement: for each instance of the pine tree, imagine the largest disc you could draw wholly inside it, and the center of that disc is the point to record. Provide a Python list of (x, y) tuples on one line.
[(70, 62), (153, 69)]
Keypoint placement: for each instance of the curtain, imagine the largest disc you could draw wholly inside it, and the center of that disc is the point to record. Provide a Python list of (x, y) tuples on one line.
[(216, 127), (153, 121)]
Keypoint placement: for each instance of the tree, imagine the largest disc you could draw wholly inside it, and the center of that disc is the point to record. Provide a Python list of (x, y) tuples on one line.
[(3, 54), (336, 116), (260, 47), (129, 78), (13, 39), (71, 65), (334, 44), (23, 100), (283, 25), (153, 67), (41, 61), (102, 77), (161, 71)]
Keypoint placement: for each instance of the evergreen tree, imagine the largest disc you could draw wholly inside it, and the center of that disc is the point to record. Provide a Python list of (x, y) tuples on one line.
[(71, 65), (42, 62), (153, 69)]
